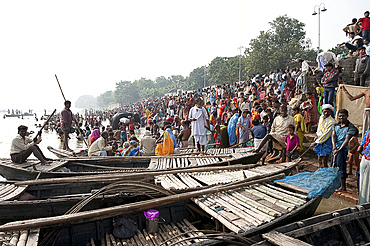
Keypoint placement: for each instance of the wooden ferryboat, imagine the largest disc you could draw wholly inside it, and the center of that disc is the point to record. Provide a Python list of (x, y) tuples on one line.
[(33, 169), (237, 206), (349, 226), (51, 197)]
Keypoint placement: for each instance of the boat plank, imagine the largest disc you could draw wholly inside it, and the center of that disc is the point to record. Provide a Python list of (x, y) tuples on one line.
[(280, 239)]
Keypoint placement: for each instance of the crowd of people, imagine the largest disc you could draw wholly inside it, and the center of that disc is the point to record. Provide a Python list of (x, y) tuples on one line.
[(272, 112)]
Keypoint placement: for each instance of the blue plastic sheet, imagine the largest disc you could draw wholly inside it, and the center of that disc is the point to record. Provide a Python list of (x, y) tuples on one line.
[(322, 182), (231, 129)]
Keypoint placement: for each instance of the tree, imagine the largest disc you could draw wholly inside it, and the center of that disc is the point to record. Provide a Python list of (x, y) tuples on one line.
[(197, 77), (126, 92), (105, 99), (338, 51), (277, 47)]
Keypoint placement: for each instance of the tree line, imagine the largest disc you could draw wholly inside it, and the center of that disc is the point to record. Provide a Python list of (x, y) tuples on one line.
[(276, 48)]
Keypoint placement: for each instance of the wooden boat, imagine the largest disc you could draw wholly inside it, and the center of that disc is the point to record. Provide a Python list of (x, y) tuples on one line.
[(21, 200), (349, 226), (214, 151), (86, 166), (91, 226), (185, 181)]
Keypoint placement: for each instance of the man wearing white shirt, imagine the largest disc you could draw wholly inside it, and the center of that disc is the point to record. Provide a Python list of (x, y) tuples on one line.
[(245, 106), (304, 77), (199, 117), (353, 42), (99, 147)]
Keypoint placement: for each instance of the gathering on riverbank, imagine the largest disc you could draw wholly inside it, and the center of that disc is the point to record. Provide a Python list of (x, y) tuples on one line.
[(266, 148)]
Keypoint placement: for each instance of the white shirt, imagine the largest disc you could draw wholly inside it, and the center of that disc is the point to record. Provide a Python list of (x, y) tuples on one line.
[(198, 128), (245, 106), (147, 144), (352, 40), (19, 144), (98, 145), (305, 67)]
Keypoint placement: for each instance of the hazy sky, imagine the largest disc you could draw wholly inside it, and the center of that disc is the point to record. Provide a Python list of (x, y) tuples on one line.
[(91, 45)]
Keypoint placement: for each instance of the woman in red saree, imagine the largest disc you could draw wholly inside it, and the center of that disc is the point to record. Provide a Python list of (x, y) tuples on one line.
[(289, 89), (310, 111)]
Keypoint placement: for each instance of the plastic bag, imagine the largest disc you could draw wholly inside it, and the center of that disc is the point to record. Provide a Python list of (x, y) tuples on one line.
[(124, 227)]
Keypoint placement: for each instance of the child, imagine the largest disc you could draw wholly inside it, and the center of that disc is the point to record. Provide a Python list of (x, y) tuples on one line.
[(353, 153), (185, 134), (217, 131), (320, 95), (292, 143)]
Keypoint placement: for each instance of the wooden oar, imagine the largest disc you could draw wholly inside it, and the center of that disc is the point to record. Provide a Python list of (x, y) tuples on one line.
[(45, 123)]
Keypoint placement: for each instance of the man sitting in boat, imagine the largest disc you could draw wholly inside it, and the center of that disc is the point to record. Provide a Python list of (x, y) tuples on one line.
[(279, 130), (23, 146), (99, 147)]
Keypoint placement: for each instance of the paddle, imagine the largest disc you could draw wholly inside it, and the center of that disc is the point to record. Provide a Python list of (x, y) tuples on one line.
[(45, 123)]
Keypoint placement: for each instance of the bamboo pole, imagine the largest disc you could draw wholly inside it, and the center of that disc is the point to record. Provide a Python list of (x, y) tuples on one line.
[(78, 127), (23, 238), (124, 209), (14, 239)]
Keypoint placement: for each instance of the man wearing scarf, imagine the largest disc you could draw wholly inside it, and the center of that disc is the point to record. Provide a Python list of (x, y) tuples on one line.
[(199, 117), (322, 143)]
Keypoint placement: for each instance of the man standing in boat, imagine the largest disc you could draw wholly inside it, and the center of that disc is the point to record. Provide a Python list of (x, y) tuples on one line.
[(23, 146), (66, 123), (200, 121)]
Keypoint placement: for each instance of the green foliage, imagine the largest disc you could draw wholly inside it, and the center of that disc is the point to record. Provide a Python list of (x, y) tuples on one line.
[(277, 47), (126, 92), (273, 49), (338, 51), (105, 99)]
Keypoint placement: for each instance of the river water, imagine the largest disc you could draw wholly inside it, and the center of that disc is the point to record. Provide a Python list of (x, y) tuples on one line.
[(9, 127)]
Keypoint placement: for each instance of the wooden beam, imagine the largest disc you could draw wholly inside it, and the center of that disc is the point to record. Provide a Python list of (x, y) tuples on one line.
[(281, 239)]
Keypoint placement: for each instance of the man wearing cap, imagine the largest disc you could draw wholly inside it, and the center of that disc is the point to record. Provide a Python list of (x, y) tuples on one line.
[(23, 146), (323, 144), (330, 81), (147, 144)]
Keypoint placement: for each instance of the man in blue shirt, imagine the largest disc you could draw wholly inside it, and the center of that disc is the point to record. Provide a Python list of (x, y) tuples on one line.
[(342, 133), (259, 131)]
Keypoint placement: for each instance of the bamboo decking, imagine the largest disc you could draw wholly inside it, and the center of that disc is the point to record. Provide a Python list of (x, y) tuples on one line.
[(244, 209), (20, 238), (193, 180), (171, 233)]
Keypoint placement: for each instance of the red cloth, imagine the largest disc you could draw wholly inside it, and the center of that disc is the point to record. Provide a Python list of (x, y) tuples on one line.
[(365, 23)]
